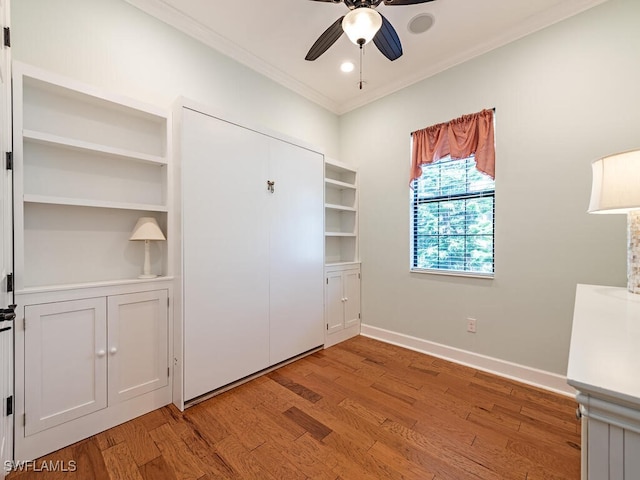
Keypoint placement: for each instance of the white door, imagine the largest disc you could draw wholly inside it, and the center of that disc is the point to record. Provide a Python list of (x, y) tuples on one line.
[(351, 284), (334, 302), (65, 370), (225, 252), (296, 250), (6, 244), (137, 346)]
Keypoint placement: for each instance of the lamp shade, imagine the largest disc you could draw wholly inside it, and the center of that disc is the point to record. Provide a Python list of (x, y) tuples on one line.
[(361, 25), (616, 183), (147, 229)]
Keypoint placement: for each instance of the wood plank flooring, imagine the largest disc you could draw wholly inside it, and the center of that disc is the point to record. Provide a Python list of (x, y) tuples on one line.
[(360, 410)]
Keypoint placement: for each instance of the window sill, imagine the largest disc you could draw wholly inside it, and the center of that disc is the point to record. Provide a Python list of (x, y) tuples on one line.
[(453, 273)]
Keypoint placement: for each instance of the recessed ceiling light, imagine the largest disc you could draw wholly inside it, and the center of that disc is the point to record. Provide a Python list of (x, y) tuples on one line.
[(347, 67), (421, 23)]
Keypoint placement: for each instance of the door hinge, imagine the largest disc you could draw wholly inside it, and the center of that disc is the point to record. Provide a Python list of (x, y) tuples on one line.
[(167, 371), (358, 276), (24, 420), (10, 405), (9, 160), (359, 317), (167, 302), (10, 282), (7, 37), (327, 327), (327, 281)]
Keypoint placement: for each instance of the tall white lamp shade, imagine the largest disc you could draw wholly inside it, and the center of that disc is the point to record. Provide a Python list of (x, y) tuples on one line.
[(147, 229), (616, 189)]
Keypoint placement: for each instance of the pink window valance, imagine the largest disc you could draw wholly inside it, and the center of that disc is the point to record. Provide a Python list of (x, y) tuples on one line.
[(465, 136)]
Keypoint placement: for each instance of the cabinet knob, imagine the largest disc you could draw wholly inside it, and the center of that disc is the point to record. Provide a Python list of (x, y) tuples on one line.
[(101, 353), (113, 350)]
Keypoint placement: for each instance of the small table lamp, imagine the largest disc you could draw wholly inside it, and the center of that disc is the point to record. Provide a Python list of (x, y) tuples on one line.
[(616, 189), (147, 229)]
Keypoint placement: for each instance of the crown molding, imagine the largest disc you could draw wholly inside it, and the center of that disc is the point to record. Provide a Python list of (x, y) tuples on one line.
[(192, 27), (195, 29), (533, 24)]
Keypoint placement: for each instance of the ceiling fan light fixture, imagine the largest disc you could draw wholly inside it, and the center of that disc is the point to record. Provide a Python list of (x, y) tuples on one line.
[(361, 25)]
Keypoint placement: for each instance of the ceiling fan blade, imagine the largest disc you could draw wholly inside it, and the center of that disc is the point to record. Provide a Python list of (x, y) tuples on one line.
[(387, 40), (328, 38), (404, 2)]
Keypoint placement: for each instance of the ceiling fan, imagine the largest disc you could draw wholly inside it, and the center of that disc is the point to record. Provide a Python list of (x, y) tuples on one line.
[(362, 24)]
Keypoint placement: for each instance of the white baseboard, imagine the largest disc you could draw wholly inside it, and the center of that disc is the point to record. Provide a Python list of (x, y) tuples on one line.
[(531, 376)]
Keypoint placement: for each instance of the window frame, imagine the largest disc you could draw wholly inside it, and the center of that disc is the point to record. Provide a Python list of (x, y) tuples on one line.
[(415, 201)]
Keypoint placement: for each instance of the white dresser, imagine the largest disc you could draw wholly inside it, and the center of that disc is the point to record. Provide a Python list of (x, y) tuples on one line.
[(604, 366)]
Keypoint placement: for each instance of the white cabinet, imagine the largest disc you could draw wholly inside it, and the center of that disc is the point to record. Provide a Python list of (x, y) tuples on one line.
[(342, 265), (137, 344), (89, 364), (603, 360), (342, 304), (92, 339), (65, 368), (252, 251)]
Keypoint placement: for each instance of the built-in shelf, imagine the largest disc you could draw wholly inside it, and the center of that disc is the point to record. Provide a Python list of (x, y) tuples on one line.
[(341, 264), (341, 214), (75, 286), (338, 184), (342, 208), (87, 165), (78, 145), (78, 202)]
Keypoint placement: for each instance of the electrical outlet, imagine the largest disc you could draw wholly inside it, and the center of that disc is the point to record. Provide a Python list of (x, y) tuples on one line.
[(471, 325)]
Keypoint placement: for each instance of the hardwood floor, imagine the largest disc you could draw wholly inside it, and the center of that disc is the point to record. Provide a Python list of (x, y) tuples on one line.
[(360, 410)]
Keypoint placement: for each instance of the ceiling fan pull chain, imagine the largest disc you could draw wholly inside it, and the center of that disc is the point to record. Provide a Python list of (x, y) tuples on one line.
[(361, 55)]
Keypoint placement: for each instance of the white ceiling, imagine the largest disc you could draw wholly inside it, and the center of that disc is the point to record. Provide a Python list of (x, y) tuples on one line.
[(273, 37)]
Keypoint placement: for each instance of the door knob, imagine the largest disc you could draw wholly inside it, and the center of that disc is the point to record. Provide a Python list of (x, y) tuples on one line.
[(101, 353), (113, 350)]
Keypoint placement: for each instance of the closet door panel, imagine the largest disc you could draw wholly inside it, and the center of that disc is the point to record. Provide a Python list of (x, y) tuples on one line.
[(225, 252), (297, 249)]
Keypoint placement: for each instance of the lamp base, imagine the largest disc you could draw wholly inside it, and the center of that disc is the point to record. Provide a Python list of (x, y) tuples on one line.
[(150, 275), (633, 251)]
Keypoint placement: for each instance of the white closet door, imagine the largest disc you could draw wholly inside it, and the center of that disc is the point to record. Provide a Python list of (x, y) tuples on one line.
[(225, 252), (297, 249)]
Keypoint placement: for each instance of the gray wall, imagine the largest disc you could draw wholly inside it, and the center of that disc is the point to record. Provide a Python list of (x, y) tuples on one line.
[(111, 44), (563, 97)]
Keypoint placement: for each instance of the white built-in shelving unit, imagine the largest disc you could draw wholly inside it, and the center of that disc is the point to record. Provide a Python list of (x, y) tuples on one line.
[(87, 165), (341, 213), (342, 263), (93, 343)]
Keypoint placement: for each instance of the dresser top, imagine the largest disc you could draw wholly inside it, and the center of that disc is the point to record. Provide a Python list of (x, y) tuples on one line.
[(604, 357)]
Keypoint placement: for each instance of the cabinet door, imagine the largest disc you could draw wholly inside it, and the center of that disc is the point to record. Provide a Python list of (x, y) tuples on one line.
[(65, 362), (138, 346), (296, 250), (225, 253), (351, 282), (334, 302)]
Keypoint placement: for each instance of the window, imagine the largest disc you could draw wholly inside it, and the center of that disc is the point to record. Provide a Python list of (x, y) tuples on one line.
[(453, 218)]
